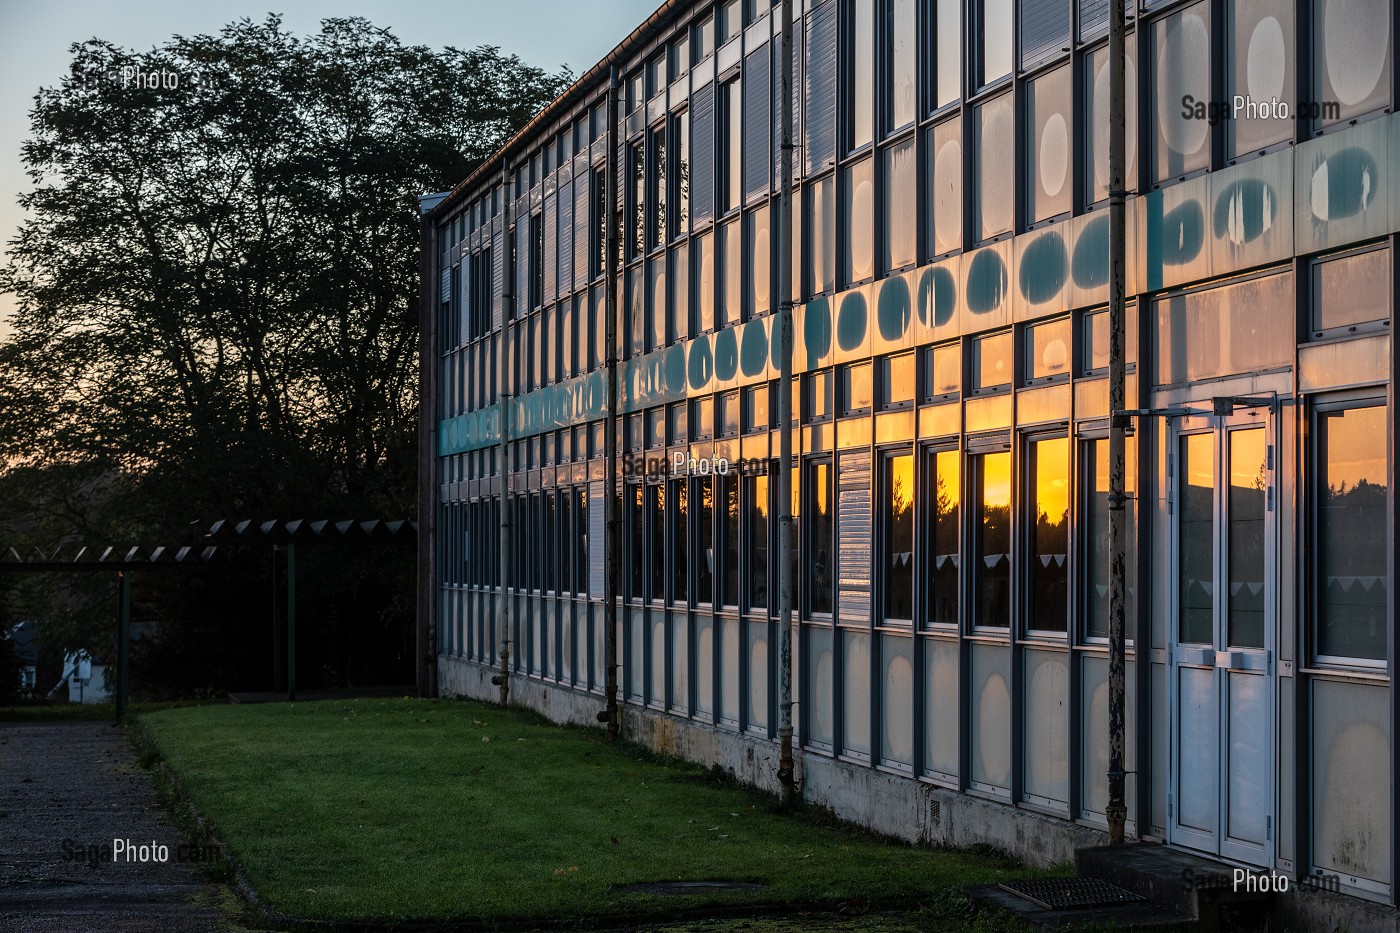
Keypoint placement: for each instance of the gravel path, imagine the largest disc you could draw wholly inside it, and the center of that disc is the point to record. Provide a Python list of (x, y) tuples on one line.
[(68, 790)]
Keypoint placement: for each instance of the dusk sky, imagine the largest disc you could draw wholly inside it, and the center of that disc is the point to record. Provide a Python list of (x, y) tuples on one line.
[(35, 37)]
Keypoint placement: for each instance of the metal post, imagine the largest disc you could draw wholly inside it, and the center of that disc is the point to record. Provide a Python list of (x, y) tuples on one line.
[(503, 600), (427, 591), (786, 778), (612, 556), (123, 642), (1117, 809), (291, 621)]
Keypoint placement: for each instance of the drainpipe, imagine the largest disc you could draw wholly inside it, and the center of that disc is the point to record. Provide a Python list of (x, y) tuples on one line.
[(786, 778), (612, 541), (1117, 810), (503, 601)]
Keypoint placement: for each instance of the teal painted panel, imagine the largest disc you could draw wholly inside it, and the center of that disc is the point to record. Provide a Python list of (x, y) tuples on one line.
[(471, 431), (1251, 213), (1176, 234), (1043, 270), (1341, 187), (987, 293)]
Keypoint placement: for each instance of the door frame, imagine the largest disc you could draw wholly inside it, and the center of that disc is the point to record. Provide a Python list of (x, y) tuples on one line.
[(1220, 425)]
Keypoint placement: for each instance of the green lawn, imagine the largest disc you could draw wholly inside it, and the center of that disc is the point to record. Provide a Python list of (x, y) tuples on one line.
[(396, 809)]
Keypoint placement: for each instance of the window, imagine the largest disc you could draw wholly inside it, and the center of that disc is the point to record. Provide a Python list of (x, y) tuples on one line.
[(942, 482), (634, 96), (821, 576), (580, 548), (897, 513), (859, 89), (1351, 59), (658, 229), (943, 372), (1096, 337), (947, 45), (756, 501), (536, 260), (897, 380), (656, 75), (945, 187), (730, 575), (702, 37), (899, 74), (1047, 550), (1049, 163), (991, 534), (656, 546), (1047, 351), (728, 19), (680, 552), (995, 123), (1260, 70), (858, 210), (679, 314), (731, 270), (679, 59), (1224, 330), (636, 161), (993, 40), (727, 414), (599, 223), (1096, 86), (702, 418), (991, 362), (635, 517), (821, 232), (705, 538), (731, 146), (901, 202), (755, 409), (704, 304), (656, 299), (676, 423), (1349, 290), (855, 389), (759, 291), (1350, 591), (1180, 70), (680, 175), (816, 399)]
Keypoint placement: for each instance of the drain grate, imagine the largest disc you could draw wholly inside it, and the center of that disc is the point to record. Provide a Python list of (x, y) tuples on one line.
[(1071, 893)]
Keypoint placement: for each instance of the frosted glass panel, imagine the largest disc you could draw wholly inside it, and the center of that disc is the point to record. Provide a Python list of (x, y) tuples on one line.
[(941, 705), (855, 707), (991, 715), (897, 700), (818, 671), (1046, 699), (1351, 806)]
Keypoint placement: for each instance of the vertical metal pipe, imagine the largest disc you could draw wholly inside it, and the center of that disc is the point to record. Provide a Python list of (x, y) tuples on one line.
[(425, 622), (611, 537), (503, 600), (786, 778), (1116, 810), (291, 620), (123, 641)]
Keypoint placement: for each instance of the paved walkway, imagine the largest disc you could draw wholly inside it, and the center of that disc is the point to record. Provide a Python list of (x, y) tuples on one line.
[(65, 787)]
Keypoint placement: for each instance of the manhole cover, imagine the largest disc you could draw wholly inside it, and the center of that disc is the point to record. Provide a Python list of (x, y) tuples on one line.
[(1071, 893), (688, 887)]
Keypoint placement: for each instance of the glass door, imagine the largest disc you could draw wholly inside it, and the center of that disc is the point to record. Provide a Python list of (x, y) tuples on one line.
[(1224, 592)]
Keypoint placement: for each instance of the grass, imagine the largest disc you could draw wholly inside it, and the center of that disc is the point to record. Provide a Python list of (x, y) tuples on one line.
[(389, 810)]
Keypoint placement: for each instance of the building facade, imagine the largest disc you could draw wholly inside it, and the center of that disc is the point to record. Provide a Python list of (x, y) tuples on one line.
[(950, 355)]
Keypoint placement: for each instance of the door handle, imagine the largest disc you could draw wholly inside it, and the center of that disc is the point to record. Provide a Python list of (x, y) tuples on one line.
[(1238, 660)]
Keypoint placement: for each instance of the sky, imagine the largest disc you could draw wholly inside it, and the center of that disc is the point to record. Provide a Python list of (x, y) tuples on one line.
[(35, 36)]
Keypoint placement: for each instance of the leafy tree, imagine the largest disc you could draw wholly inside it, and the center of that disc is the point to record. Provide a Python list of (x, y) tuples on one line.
[(217, 283)]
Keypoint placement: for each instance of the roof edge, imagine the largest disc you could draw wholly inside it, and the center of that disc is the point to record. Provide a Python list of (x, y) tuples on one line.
[(663, 16)]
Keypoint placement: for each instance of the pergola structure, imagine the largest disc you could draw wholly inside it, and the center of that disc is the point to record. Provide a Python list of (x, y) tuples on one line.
[(79, 558)]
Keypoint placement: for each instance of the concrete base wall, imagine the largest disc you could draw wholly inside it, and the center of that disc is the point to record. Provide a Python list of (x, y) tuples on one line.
[(891, 804)]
